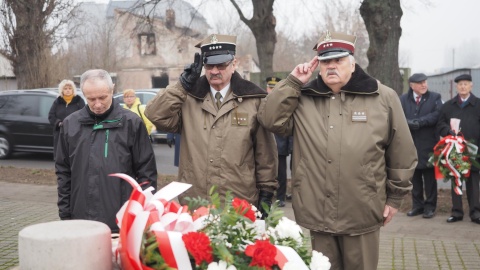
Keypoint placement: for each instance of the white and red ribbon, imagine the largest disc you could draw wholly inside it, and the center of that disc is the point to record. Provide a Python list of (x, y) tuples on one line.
[(168, 221)]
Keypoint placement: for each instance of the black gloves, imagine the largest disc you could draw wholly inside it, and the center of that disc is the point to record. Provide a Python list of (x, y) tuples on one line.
[(413, 124), (451, 132), (170, 142), (264, 197), (191, 73)]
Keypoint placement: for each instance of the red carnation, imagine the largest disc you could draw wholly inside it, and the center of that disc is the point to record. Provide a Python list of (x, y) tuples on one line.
[(263, 254), (244, 208), (465, 158), (198, 245)]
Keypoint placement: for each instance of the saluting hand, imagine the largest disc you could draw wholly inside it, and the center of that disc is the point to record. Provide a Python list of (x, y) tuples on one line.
[(304, 71)]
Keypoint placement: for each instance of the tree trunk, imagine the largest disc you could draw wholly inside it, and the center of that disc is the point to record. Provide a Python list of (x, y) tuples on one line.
[(262, 25), (382, 20), (29, 40)]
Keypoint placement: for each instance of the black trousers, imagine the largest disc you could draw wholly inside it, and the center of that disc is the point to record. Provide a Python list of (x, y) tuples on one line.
[(472, 190), (282, 177), (424, 180)]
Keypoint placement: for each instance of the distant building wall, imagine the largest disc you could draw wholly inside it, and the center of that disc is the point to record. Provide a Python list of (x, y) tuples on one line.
[(8, 83)]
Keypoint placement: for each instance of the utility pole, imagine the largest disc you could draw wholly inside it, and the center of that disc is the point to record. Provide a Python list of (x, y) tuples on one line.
[(453, 58)]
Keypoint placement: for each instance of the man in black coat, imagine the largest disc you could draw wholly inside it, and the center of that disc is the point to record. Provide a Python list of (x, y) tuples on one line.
[(422, 108), (98, 140), (466, 107)]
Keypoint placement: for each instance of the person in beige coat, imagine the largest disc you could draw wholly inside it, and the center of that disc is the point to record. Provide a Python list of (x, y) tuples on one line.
[(353, 156), (222, 143)]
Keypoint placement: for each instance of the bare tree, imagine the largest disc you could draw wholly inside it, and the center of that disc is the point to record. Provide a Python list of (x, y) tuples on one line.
[(31, 28), (262, 24), (382, 20)]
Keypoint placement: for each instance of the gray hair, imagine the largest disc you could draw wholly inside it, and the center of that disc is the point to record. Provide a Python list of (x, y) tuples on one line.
[(66, 82), (352, 59), (97, 75)]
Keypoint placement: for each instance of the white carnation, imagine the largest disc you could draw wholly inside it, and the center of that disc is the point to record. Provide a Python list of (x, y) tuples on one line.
[(319, 261), (288, 228), (464, 171), (221, 265)]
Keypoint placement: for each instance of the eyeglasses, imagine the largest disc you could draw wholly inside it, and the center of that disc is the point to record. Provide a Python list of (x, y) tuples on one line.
[(221, 66)]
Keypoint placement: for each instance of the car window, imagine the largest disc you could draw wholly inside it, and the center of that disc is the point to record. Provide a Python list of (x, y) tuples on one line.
[(44, 105), (147, 97), (3, 104), (26, 105)]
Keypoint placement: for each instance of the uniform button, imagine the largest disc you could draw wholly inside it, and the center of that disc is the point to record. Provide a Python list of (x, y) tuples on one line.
[(329, 161), (213, 127), (328, 195), (331, 127), (211, 160), (333, 97)]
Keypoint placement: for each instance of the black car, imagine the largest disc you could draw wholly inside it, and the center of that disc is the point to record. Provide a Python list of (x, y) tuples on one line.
[(24, 125)]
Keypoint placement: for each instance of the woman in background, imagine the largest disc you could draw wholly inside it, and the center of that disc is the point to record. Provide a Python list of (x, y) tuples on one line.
[(132, 103), (67, 103)]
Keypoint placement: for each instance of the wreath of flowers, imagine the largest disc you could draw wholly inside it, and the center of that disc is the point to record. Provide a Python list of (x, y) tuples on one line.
[(452, 159), (156, 232)]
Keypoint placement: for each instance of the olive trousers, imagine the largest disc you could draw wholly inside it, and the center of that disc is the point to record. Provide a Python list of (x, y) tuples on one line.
[(345, 252)]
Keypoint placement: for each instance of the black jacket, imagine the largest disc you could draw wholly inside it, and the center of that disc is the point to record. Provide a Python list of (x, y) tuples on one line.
[(88, 151), (60, 109), (427, 114), (469, 117)]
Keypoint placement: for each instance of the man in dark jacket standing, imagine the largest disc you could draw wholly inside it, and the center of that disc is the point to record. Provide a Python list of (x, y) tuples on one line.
[(284, 148), (98, 140), (421, 108), (466, 107)]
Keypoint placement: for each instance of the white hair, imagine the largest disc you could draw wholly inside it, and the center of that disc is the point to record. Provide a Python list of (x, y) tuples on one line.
[(62, 85)]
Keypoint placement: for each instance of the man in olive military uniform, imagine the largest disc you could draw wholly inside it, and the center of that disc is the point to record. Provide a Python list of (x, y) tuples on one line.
[(353, 156), (222, 143)]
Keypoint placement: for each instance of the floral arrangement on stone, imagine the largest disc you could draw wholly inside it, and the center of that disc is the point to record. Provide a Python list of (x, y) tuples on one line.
[(158, 233), (453, 157)]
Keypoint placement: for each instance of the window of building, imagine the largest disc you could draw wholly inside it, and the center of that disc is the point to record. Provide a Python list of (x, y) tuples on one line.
[(147, 44)]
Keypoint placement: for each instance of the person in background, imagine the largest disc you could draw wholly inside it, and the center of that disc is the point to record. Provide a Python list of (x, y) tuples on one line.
[(101, 139), (466, 107), (67, 102), (353, 156), (283, 147), (222, 143), (174, 139), (132, 103), (422, 108)]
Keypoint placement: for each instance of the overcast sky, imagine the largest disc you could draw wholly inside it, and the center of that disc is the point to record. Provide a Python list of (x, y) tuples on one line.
[(432, 29)]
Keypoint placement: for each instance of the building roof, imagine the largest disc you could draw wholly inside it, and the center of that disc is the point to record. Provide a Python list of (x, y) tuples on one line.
[(185, 14)]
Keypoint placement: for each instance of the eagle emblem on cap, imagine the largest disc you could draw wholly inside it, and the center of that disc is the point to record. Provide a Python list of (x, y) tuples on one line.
[(214, 39), (327, 36)]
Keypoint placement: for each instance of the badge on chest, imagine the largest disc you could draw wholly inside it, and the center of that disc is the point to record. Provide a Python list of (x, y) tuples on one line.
[(239, 119), (359, 116)]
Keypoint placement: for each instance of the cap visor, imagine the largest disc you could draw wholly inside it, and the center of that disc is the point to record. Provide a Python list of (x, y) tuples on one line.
[(218, 59), (332, 55)]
